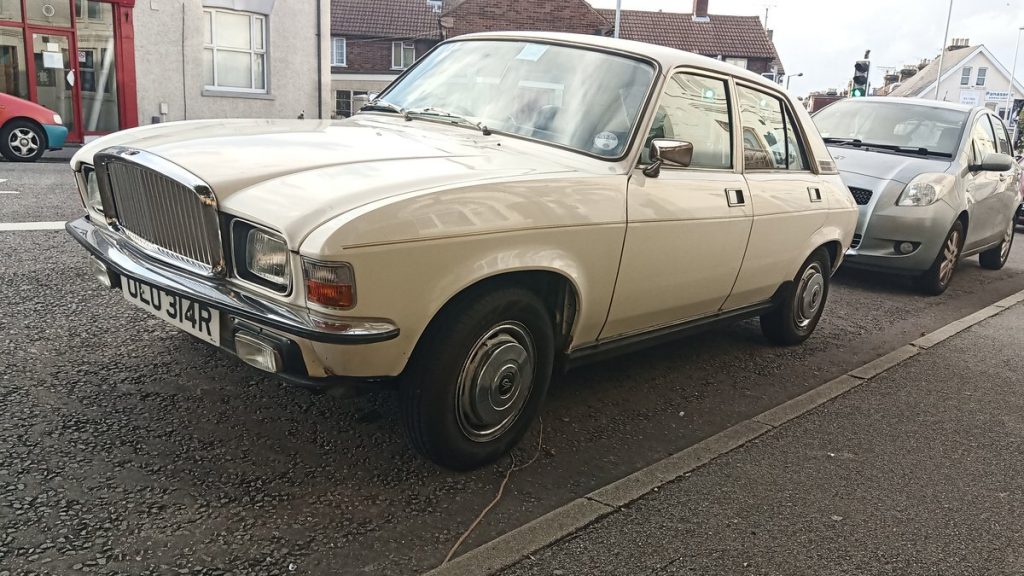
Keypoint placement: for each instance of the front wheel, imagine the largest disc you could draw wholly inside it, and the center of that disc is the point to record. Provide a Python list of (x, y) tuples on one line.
[(937, 278), (794, 320), (996, 258), (22, 141), (479, 377)]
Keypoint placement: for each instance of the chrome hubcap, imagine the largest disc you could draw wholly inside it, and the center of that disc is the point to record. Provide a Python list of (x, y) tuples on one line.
[(951, 253), (809, 295), (1008, 240), (23, 142), (495, 382)]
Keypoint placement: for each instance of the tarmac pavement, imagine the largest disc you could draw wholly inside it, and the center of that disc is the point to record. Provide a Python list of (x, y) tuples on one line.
[(916, 471)]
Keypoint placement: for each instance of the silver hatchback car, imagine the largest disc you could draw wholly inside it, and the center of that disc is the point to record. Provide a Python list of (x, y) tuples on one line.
[(935, 182)]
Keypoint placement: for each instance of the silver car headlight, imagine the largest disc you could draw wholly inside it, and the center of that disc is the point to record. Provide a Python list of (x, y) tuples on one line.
[(89, 188), (261, 256), (926, 189)]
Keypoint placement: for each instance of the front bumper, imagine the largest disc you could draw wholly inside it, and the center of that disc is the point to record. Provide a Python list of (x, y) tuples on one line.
[(883, 228), (56, 135), (293, 331)]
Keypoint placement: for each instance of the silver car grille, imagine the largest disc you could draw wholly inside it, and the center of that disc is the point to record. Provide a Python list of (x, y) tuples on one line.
[(167, 212)]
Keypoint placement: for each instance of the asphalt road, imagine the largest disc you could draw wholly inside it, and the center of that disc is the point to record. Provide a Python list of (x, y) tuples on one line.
[(127, 447)]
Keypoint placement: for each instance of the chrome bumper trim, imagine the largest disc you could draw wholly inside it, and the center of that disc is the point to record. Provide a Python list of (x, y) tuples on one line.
[(124, 258)]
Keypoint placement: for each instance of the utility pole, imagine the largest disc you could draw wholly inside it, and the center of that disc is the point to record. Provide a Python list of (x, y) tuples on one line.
[(618, 16), (945, 40), (1013, 79)]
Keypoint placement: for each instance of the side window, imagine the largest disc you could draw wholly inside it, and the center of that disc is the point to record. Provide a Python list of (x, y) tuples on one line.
[(770, 139), (1002, 139), (695, 109), (984, 139)]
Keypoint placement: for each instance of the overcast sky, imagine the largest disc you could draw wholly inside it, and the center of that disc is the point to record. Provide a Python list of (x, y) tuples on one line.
[(823, 38)]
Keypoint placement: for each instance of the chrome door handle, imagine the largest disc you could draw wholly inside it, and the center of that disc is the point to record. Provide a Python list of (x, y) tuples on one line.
[(735, 197), (815, 194)]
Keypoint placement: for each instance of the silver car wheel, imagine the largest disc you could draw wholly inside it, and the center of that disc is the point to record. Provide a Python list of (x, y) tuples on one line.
[(951, 253), (23, 142), (809, 295), (495, 382), (1008, 240)]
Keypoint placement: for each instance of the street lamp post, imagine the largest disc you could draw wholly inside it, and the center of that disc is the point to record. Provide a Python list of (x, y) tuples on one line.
[(618, 16), (945, 40), (1013, 79), (790, 77)]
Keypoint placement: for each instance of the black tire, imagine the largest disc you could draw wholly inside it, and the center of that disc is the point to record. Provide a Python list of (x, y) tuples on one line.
[(996, 258), (935, 280), (22, 141), (796, 317), (460, 342)]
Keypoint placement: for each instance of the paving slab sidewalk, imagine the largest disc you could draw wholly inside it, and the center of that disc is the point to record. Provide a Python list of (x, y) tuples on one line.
[(919, 470)]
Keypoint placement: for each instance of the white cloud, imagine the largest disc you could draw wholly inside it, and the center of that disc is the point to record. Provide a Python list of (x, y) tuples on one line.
[(823, 38)]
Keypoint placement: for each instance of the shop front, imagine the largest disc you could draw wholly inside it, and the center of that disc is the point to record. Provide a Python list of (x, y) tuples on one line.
[(76, 57)]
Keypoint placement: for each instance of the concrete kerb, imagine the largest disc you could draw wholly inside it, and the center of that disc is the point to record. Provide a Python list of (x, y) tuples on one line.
[(558, 524)]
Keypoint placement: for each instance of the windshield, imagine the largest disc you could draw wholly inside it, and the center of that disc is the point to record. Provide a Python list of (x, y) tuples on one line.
[(583, 99), (893, 124)]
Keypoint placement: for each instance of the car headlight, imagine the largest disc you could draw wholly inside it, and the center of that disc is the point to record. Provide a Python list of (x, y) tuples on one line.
[(926, 189), (329, 284), (261, 256)]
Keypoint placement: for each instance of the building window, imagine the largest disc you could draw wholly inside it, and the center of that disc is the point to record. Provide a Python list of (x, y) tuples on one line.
[(343, 102), (403, 54), (965, 76), (339, 52), (741, 62), (234, 51), (982, 72)]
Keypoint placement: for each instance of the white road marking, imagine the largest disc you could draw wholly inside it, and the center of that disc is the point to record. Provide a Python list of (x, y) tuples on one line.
[(7, 192), (30, 226)]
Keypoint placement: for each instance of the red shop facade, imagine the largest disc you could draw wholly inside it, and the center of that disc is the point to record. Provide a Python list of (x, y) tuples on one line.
[(76, 57)]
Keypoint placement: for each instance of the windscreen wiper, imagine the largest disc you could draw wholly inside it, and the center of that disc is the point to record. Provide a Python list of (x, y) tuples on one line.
[(447, 116), (857, 143)]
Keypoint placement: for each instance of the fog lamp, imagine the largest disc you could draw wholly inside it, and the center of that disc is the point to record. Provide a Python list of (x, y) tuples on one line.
[(905, 248), (256, 352)]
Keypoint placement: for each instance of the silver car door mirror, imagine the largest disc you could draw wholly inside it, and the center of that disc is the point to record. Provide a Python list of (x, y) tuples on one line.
[(674, 152), (994, 162)]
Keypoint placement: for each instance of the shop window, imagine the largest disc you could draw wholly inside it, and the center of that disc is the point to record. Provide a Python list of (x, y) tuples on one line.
[(54, 13), (86, 10), (13, 75), (234, 51), (97, 72)]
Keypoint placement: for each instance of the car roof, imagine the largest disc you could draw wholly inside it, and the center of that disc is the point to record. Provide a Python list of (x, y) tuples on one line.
[(922, 102), (668, 57)]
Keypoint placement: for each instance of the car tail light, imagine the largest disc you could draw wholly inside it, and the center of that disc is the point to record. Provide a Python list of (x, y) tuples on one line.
[(330, 285)]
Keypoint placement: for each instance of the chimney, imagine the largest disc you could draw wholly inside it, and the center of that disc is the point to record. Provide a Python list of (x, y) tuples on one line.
[(771, 35), (959, 43), (700, 11)]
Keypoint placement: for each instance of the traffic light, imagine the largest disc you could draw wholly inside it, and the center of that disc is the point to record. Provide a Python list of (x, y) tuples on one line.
[(860, 79)]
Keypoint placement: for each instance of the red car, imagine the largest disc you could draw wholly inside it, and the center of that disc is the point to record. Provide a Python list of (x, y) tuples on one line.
[(28, 129)]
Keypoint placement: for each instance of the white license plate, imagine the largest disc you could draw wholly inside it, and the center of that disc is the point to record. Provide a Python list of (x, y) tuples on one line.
[(196, 318)]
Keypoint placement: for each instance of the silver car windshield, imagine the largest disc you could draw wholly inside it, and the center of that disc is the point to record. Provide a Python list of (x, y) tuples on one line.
[(583, 99), (892, 126)]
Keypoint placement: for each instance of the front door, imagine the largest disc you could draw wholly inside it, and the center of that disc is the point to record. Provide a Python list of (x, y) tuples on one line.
[(688, 227), (53, 79)]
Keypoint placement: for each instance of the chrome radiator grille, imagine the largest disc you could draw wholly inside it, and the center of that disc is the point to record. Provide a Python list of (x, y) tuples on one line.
[(165, 211)]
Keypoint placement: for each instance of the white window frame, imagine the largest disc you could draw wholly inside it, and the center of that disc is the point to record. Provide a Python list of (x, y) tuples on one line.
[(335, 42), (965, 76), (981, 77), (741, 62), (257, 24), (401, 46)]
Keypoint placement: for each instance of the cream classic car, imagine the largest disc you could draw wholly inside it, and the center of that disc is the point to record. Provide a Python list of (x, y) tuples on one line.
[(512, 205)]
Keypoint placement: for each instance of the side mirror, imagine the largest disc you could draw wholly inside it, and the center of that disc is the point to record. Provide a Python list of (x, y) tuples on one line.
[(371, 96), (994, 162), (675, 152)]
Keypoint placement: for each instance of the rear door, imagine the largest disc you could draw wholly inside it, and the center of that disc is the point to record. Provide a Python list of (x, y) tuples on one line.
[(688, 227), (789, 205)]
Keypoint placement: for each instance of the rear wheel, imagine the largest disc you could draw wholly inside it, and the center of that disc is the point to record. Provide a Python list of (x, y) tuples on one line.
[(479, 378), (996, 258), (795, 319), (937, 278), (22, 141)]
